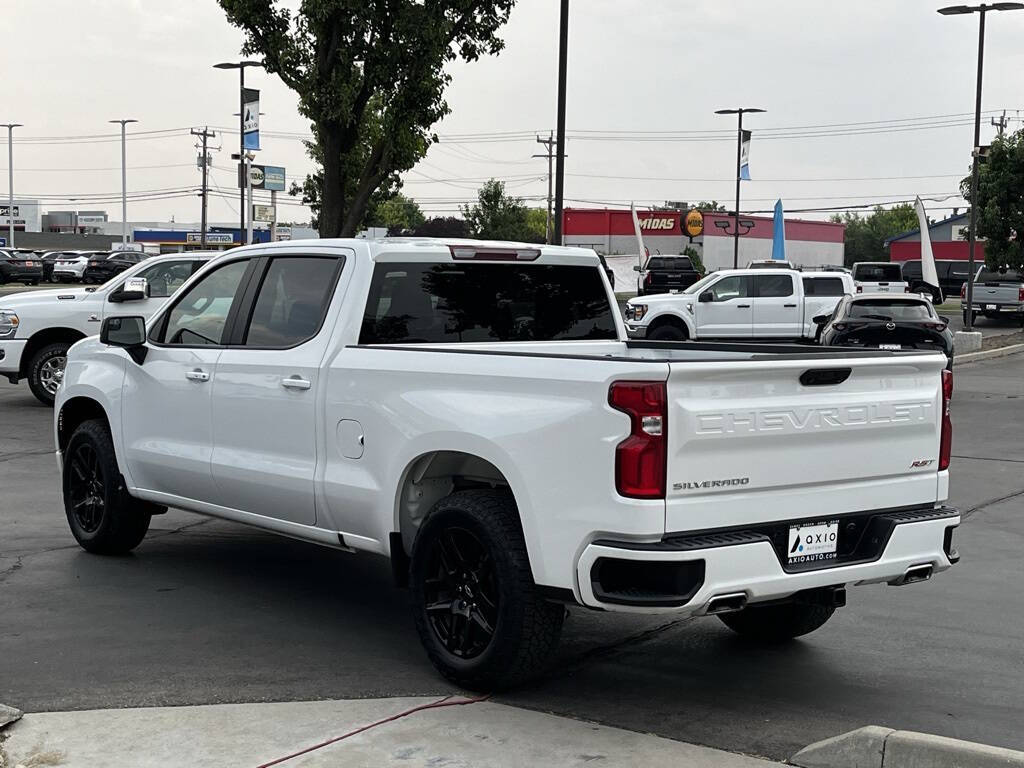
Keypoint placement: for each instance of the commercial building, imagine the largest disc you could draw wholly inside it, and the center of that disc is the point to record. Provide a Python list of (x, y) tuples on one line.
[(27, 216), (610, 232), (948, 238), (78, 222)]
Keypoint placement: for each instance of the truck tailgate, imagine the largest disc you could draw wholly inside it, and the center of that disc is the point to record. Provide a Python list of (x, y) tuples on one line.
[(749, 443)]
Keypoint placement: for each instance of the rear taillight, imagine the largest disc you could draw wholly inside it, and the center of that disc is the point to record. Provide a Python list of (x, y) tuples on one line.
[(640, 458), (906, 289), (963, 291), (1020, 293), (839, 326), (860, 289), (946, 443), (647, 279)]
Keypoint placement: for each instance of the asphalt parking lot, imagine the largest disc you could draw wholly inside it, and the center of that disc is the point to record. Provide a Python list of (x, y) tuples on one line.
[(209, 612)]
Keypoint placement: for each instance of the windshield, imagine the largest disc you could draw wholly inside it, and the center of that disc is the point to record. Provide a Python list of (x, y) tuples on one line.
[(660, 262), (999, 276), (888, 309), (701, 284), (877, 273)]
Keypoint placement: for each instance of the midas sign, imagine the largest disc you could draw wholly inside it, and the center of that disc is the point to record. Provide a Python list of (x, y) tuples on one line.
[(657, 224)]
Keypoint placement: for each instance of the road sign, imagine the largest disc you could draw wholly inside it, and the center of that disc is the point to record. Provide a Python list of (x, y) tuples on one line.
[(263, 213), (3, 241)]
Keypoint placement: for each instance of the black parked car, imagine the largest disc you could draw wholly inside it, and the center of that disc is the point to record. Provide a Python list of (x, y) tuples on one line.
[(667, 273), (16, 267), (898, 322), (102, 267), (952, 275)]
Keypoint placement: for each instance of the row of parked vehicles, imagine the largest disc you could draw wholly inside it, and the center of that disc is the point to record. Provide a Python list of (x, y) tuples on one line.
[(32, 267), (476, 413)]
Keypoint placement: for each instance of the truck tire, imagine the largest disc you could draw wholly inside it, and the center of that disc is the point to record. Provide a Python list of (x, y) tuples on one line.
[(103, 518), (667, 333), (46, 371), (777, 623), (478, 613)]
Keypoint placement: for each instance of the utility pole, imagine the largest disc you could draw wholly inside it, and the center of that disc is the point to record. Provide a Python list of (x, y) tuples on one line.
[(10, 181), (563, 60), (1000, 124), (549, 144), (204, 163)]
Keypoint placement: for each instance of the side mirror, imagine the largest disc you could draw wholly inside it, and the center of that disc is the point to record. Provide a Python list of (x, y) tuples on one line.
[(705, 297), (637, 268), (133, 289), (820, 319), (129, 333)]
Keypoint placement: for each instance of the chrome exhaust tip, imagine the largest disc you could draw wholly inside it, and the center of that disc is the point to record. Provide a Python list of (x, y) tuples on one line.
[(913, 574), (734, 601)]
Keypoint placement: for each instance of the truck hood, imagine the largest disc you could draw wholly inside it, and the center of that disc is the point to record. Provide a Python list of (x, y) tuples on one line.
[(656, 299), (39, 298)]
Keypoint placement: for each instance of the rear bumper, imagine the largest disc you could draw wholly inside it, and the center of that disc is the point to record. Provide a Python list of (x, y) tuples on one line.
[(24, 274), (747, 567), (1002, 309), (10, 358)]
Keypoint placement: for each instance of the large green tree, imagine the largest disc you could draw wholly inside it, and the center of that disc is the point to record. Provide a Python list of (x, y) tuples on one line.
[(400, 214), (1000, 211), (866, 235), (500, 216), (370, 75)]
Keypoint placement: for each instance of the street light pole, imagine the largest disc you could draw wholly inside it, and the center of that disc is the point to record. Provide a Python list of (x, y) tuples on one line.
[(739, 162), (240, 66), (981, 10), (124, 183), (563, 59), (10, 181)]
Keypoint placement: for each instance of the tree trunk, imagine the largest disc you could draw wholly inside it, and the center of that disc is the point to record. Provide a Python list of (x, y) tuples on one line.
[(332, 196)]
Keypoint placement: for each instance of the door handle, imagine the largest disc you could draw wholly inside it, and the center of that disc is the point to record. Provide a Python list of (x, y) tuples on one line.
[(294, 382), (742, 306), (197, 375), (791, 306)]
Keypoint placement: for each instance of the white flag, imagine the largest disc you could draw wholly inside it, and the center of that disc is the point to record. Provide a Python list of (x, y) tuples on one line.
[(640, 250), (929, 274)]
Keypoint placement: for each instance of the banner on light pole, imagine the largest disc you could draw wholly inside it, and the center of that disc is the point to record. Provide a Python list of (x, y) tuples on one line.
[(251, 118), (745, 156)]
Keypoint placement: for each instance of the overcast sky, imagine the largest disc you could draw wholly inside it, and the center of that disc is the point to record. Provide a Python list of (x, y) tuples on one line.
[(635, 66)]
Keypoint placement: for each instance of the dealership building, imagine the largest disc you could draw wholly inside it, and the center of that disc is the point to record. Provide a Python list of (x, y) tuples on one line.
[(948, 238), (610, 232)]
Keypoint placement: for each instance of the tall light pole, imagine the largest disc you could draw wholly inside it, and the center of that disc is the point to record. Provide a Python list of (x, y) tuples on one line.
[(10, 181), (563, 61), (124, 182), (240, 66), (739, 112), (981, 10)]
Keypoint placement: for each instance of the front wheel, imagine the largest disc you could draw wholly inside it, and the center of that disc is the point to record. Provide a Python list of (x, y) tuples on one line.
[(103, 518), (477, 611), (667, 333), (46, 371), (777, 623)]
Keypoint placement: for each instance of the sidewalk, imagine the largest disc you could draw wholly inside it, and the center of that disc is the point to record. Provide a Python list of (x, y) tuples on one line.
[(481, 734)]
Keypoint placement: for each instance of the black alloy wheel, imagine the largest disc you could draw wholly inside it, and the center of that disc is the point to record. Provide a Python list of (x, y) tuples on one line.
[(87, 486), (462, 594)]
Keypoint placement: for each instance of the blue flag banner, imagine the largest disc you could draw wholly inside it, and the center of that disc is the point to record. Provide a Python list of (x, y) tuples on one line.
[(779, 233), (745, 156)]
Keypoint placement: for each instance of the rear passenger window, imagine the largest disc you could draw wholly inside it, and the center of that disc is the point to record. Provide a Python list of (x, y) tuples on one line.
[(773, 286), (292, 301), (823, 286), (412, 302)]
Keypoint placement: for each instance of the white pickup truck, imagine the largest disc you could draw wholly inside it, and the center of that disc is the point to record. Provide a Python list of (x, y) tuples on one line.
[(38, 327), (761, 304), (473, 411)]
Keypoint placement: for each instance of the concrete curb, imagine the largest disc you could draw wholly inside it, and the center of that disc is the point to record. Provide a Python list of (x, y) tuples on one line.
[(987, 354), (9, 715), (876, 747)]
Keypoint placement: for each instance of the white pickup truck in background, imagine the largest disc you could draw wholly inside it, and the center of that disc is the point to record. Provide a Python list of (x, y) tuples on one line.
[(759, 303), (474, 412), (38, 327), (879, 277)]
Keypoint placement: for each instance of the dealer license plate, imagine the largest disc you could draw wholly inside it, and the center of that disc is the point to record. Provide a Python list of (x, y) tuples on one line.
[(991, 307), (813, 541), (890, 346)]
